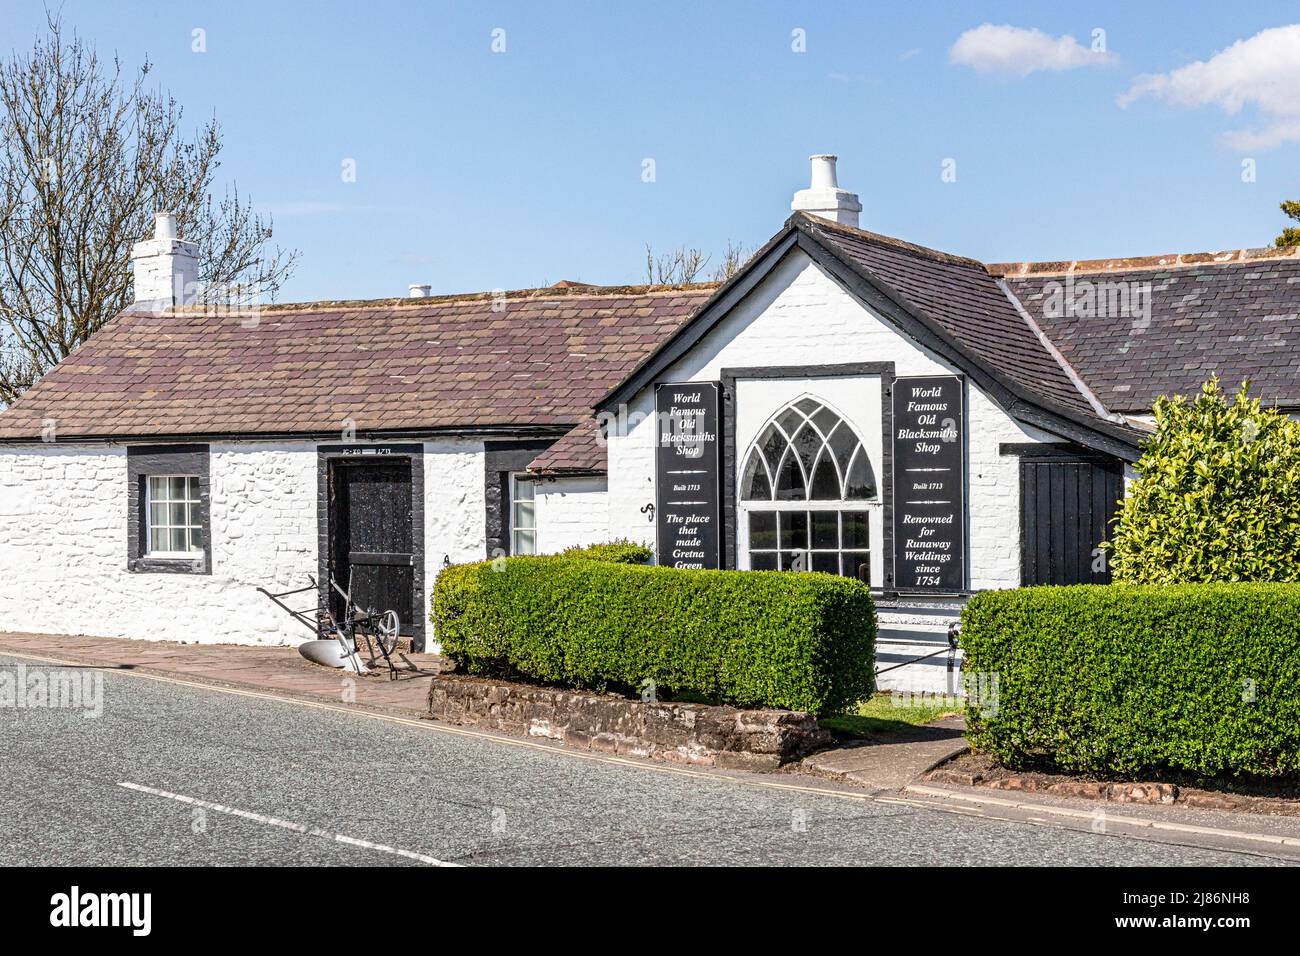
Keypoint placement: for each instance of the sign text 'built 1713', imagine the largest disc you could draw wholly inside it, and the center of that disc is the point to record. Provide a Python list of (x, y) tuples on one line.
[(688, 468)]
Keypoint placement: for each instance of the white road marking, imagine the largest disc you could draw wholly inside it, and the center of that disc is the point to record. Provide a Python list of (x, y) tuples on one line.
[(925, 795), (285, 824)]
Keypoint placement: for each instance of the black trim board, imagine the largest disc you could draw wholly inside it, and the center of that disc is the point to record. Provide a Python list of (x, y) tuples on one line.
[(364, 435), (500, 461), (325, 454), (145, 460), (1053, 451), (803, 233), (729, 377)]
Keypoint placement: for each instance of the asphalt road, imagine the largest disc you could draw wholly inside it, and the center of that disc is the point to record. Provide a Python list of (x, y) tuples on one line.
[(173, 774)]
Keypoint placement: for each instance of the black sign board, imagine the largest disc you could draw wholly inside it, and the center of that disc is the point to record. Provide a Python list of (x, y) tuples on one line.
[(929, 485), (688, 471)]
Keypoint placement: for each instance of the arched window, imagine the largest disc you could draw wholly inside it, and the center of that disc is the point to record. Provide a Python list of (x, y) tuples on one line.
[(805, 486)]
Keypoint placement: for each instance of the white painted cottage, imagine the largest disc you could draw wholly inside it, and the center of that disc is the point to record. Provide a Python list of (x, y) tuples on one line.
[(848, 403)]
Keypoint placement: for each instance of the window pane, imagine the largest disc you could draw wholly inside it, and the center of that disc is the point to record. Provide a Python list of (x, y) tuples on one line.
[(825, 530), (861, 483), (772, 445), (828, 561), (176, 488), (789, 482), (762, 561), (196, 539), (855, 529), (158, 539), (794, 529), (524, 490), (157, 514), (523, 542), (857, 564), (158, 489), (194, 514), (762, 530), (825, 419), (755, 486), (807, 443), (177, 514), (825, 481), (179, 540), (794, 560), (524, 515), (193, 488)]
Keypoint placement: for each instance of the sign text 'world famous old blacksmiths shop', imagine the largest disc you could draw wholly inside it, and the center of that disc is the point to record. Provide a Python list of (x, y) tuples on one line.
[(688, 468), (929, 485)]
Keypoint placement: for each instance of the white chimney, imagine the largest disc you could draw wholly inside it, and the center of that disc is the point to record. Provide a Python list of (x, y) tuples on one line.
[(824, 197), (419, 291), (166, 268)]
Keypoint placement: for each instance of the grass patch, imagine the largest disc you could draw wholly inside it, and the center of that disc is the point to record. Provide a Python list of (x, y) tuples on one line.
[(880, 714)]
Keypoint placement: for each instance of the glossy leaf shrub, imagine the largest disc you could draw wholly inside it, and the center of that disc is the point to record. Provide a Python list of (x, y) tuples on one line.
[(1129, 679), (801, 641)]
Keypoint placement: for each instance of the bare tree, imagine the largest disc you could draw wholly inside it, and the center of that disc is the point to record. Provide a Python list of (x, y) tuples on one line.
[(679, 267), (733, 259), (683, 265), (87, 156)]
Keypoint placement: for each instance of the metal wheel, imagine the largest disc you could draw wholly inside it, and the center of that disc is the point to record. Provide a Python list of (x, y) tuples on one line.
[(388, 630)]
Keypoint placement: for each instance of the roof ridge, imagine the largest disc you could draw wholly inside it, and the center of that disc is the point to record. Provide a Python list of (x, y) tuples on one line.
[(1070, 371), (1172, 260), (902, 245), (467, 298)]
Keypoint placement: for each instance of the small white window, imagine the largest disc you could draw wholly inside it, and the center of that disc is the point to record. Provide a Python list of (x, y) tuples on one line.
[(523, 522), (175, 516)]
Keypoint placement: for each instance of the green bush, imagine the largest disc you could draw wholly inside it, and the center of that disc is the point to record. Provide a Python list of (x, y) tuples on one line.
[(1128, 679), (798, 641), (1218, 497), (618, 551)]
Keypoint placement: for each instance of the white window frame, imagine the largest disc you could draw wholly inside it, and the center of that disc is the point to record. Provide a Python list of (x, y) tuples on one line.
[(515, 482), (194, 532)]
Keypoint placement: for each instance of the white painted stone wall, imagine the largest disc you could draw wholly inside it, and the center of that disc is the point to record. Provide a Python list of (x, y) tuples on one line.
[(799, 315), (63, 541), (571, 512), (454, 510)]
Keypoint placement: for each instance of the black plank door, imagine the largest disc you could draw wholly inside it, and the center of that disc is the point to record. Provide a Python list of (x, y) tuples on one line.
[(370, 531), (1066, 508)]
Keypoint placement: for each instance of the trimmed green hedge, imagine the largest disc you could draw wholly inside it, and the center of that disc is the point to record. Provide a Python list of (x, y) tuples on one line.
[(620, 551), (798, 641), (1127, 679)]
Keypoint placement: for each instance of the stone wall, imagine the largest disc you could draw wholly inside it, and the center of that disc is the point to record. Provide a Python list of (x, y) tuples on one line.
[(697, 734)]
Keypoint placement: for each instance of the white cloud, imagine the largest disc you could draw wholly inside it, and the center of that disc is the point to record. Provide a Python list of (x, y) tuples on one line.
[(1019, 51), (1262, 71)]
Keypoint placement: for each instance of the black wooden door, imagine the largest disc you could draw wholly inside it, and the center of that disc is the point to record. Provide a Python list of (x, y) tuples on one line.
[(371, 539), (1066, 507)]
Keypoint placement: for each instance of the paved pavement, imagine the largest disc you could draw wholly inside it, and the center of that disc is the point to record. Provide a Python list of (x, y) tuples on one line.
[(179, 774), (891, 762)]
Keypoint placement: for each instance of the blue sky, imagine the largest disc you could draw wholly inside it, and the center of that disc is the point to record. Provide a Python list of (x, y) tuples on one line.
[(479, 170)]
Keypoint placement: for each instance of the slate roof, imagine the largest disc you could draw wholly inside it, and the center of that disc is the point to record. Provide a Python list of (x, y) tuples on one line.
[(966, 301), (581, 450), (1239, 318), (541, 359)]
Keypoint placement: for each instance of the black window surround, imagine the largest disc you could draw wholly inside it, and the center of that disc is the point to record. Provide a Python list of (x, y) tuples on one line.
[(500, 461), (143, 461), (729, 376)]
